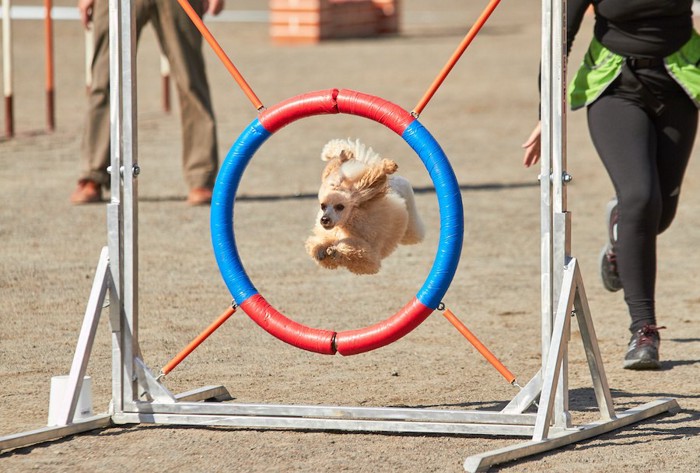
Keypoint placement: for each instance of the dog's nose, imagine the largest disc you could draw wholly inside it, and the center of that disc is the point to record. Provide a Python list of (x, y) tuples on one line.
[(325, 220)]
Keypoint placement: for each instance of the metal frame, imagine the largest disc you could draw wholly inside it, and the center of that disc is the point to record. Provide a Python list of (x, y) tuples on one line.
[(139, 397)]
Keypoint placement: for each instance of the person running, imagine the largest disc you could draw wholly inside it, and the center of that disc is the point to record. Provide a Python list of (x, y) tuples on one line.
[(640, 84)]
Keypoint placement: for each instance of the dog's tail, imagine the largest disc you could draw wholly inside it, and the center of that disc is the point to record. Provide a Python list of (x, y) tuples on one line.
[(415, 230)]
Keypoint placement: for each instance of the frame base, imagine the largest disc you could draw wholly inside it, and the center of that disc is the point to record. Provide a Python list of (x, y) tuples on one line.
[(548, 428)]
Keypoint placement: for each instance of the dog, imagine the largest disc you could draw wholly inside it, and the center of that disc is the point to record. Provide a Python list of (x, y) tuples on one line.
[(366, 209)]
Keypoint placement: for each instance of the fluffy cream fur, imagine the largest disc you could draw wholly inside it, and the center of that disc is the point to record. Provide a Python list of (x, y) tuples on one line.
[(366, 209)]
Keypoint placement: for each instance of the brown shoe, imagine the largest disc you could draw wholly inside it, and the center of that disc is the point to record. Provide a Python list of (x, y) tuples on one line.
[(87, 192), (199, 196)]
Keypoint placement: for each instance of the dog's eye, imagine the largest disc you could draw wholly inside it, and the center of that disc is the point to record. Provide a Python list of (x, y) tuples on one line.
[(323, 206), (339, 207)]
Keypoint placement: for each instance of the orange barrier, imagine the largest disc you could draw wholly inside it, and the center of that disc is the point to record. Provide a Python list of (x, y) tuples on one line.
[(310, 21), (221, 54), (490, 357), (455, 57), (197, 341)]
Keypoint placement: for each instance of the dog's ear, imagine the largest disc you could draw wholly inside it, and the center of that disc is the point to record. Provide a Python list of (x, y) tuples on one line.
[(374, 181)]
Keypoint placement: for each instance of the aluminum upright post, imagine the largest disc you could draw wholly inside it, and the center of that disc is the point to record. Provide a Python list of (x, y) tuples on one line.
[(546, 180), (122, 213), (561, 218), (129, 172), (114, 216), (555, 220)]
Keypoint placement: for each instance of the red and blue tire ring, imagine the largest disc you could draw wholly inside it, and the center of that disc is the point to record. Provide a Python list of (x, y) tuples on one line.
[(246, 296)]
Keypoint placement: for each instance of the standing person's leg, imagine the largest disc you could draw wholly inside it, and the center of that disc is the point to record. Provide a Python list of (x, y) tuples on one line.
[(625, 138), (94, 151), (95, 147), (182, 43)]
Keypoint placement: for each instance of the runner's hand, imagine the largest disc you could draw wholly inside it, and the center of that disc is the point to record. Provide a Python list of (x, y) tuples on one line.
[(533, 146)]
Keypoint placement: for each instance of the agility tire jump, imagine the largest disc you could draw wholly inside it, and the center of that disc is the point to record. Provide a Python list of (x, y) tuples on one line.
[(246, 296)]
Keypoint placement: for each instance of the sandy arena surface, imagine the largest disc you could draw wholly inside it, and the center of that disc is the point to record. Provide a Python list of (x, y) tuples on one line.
[(480, 116)]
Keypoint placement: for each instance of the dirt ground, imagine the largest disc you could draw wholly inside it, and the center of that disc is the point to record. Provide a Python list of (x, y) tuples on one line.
[(480, 116)]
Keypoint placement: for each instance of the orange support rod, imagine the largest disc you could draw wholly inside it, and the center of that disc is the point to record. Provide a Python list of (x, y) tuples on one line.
[(490, 357), (221, 54), (197, 341), (455, 57)]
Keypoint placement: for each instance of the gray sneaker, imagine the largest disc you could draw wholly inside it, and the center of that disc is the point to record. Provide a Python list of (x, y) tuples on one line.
[(608, 259), (643, 349)]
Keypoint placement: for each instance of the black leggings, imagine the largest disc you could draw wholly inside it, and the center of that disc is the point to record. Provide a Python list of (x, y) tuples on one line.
[(646, 154)]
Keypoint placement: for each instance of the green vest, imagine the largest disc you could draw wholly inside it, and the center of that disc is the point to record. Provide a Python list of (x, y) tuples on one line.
[(600, 67)]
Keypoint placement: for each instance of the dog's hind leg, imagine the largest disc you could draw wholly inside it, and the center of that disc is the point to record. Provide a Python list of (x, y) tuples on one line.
[(415, 230)]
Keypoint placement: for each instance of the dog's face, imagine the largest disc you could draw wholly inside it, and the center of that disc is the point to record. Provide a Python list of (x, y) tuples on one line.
[(336, 207), (348, 184)]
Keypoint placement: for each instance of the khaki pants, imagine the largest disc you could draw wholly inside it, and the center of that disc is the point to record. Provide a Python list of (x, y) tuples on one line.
[(181, 42)]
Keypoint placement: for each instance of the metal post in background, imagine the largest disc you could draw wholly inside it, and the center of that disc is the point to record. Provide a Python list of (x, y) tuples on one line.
[(165, 82), (89, 50), (7, 68), (50, 88)]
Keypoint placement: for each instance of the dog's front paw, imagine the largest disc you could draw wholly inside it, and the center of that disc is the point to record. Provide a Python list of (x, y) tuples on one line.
[(322, 252), (331, 251), (328, 257)]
